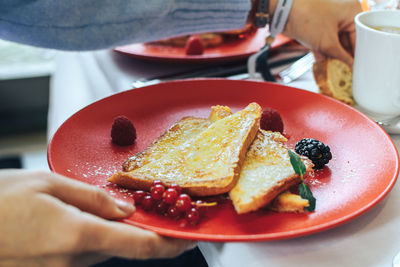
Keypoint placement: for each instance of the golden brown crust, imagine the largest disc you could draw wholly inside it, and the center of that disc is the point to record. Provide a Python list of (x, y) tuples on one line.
[(264, 199), (320, 69), (223, 185), (321, 77)]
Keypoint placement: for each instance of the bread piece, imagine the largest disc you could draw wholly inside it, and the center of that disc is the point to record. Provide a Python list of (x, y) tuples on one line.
[(176, 135), (180, 132), (266, 172), (334, 79), (289, 202), (208, 164)]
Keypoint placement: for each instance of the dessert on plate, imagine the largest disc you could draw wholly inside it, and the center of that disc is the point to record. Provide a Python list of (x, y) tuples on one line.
[(224, 154)]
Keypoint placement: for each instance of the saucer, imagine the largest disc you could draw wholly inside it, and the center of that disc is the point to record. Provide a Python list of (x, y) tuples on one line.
[(390, 125)]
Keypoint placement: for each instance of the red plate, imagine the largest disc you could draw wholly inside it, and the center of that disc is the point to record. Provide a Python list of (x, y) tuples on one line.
[(363, 170), (228, 51)]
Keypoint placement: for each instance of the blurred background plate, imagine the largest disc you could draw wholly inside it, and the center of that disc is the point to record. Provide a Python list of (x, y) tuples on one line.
[(228, 51)]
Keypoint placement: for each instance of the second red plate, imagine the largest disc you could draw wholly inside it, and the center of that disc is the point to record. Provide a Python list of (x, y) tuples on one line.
[(226, 52)]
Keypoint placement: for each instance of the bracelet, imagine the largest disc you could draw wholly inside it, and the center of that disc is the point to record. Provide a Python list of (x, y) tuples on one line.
[(280, 17), (261, 17)]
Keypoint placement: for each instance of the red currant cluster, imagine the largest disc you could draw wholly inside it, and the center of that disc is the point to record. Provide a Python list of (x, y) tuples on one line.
[(170, 201)]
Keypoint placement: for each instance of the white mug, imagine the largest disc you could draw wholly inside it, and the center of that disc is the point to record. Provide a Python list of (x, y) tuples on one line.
[(376, 70)]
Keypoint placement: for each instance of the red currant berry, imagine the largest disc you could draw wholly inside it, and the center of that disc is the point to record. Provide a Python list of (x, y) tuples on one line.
[(138, 196), (183, 203), (176, 187), (157, 191), (147, 203), (156, 182), (170, 196), (173, 212), (161, 207), (193, 216)]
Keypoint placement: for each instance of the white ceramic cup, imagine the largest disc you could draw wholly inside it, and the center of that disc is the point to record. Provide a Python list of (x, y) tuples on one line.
[(376, 70)]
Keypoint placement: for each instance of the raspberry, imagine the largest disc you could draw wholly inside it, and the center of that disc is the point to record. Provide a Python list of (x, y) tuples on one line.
[(194, 46), (271, 120), (319, 153), (123, 133)]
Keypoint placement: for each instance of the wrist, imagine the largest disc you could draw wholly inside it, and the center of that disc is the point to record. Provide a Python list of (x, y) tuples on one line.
[(280, 16), (272, 6)]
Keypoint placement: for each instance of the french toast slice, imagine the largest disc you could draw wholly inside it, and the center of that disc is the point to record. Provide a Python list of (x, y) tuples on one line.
[(180, 132), (206, 164), (266, 172)]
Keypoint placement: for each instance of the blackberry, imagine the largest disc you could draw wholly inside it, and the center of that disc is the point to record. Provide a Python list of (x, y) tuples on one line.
[(319, 153)]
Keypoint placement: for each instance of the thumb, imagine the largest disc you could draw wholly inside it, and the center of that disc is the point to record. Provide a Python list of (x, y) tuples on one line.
[(88, 198)]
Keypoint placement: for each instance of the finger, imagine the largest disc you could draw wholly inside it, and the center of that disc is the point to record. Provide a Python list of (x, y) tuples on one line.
[(352, 38), (318, 56), (335, 49), (123, 240), (87, 259), (345, 41), (80, 260), (88, 198)]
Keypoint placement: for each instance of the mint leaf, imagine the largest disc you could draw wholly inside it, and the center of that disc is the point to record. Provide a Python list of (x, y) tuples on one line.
[(297, 164), (306, 193)]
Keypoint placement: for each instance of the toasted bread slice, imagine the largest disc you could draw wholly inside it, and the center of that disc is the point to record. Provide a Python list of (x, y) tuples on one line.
[(266, 172), (334, 79), (180, 132), (207, 164)]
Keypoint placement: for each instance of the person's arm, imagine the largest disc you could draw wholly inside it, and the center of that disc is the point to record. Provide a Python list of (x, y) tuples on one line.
[(49, 220), (97, 24)]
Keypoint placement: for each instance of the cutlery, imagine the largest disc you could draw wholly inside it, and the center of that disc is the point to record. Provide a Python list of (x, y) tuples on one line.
[(297, 69), (233, 72)]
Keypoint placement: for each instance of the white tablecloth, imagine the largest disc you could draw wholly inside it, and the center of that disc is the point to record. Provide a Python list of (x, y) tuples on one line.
[(370, 240)]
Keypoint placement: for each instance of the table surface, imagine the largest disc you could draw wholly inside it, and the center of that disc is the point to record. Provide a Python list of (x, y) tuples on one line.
[(372, 239)]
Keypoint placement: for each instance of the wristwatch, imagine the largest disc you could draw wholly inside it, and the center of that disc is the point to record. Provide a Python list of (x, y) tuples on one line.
[(261, 17)]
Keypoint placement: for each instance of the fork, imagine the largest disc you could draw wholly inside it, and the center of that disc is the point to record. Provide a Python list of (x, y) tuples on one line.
[(288, 75), (297, 69)]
